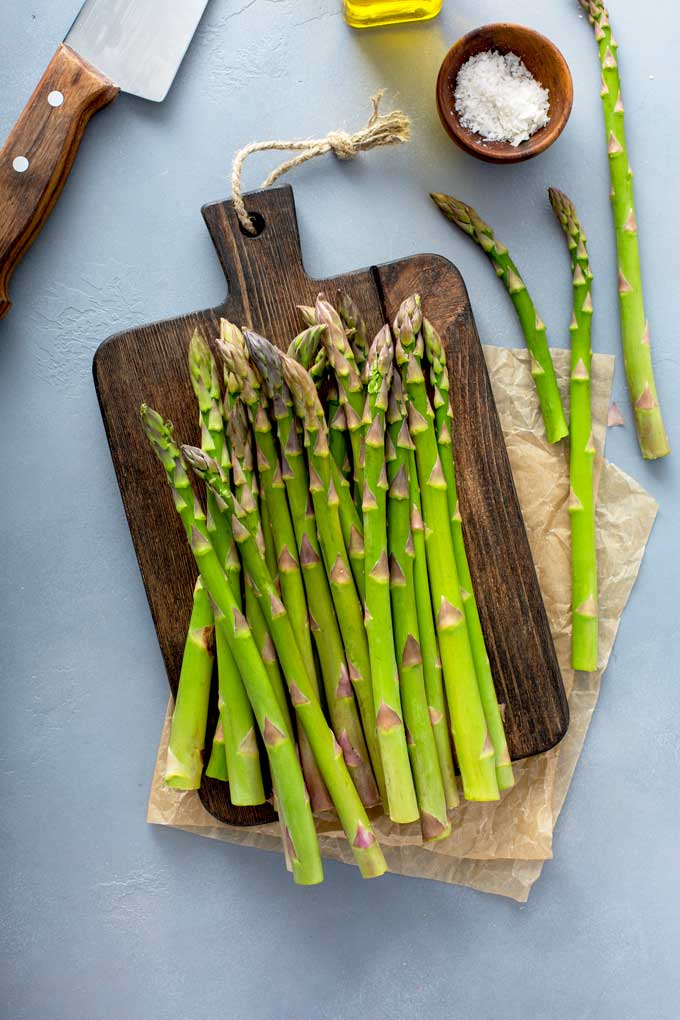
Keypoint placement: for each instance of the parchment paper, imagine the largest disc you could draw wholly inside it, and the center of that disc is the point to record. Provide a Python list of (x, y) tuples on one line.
[(500, 848)]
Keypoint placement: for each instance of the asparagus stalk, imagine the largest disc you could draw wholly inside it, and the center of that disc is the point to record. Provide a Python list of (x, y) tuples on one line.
[(236, 724), (326, 630), (443, 420), (345, 597), (420, 739), (584, 614), (306, 348), (323, 623), (432, 665), (217, 763), (237, 728), (296, 816), (188, 731), (351, 524), (279, 539), (242, 457), (389, 720), (243, 467), (273, 494), (265, 647), (246, 489), (337, 425), (542, 370), (206, 385), (470, 732), (240, 442), (303, 349), (637, 353), (355, 326), (184, 762), (307, 315), (327, 751), (350, 386)]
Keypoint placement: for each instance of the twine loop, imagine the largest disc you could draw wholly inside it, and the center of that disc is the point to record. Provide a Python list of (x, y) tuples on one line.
[(380, 129)]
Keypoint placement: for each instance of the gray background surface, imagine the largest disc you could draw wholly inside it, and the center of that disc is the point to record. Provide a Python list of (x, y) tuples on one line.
[(105, 917)]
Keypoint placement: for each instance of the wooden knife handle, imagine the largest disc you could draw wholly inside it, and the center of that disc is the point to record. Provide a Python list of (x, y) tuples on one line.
[(39, 153)]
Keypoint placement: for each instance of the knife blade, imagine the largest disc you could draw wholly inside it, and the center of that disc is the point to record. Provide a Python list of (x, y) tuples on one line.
[(133, 46)]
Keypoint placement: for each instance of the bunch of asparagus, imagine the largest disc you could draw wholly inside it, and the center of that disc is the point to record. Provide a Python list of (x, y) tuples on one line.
[(334, 588)]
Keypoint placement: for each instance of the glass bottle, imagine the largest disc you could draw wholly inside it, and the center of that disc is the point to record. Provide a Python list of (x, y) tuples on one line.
[(366, 13)]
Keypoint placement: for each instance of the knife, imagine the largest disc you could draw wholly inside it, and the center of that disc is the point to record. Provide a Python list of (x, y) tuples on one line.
[(131, 45)]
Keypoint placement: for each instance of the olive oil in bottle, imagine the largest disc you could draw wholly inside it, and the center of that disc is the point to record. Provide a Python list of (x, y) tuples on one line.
[(366, 13)]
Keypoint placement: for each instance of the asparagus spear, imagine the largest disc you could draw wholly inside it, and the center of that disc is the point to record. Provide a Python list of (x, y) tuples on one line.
[(389, 721), (337, 425), (432, 665), (350, 386), (236, 723), (296, 816), (421, 743), (355, 326), (307, 315), (243, 460), (470, 732), (327, 751), (345, 597), (246, 481), (237, 431), (206, 385), (355, 331), (351, 523), (338, 440), (184, 762), (542, 370), (321, 614), (325, 502), (217, 763), (273, 493), (352, 529), (637, 353), (279, 540), (327, 633), (443, 419), (584, 616), (307, 349), (265, 647)]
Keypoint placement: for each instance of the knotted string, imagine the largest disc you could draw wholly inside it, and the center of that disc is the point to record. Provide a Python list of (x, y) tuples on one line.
[(381, 129)]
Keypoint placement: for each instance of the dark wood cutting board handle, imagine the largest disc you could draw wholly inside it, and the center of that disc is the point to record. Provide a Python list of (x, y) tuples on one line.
[(265, 273), (40, 151)]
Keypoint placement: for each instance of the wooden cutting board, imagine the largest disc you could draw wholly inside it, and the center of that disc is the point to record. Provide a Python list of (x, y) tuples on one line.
[(266, 281)]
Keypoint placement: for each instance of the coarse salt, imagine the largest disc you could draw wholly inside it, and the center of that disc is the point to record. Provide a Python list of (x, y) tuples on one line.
[(497, 97)]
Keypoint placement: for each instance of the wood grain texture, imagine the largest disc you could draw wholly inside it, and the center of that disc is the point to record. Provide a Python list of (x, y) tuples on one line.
[(267, 280), (48, 137)]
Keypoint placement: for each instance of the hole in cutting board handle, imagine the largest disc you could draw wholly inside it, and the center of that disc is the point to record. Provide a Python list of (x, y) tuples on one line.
[(258, 222)]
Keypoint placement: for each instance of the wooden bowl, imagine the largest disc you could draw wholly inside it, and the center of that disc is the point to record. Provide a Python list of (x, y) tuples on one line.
[(542, 59)]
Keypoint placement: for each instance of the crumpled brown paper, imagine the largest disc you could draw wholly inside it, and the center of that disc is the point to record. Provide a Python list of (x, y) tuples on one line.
[(500, 847)]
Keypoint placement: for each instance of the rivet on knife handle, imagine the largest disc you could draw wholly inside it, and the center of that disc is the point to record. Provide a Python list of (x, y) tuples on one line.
[(39, 153)]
